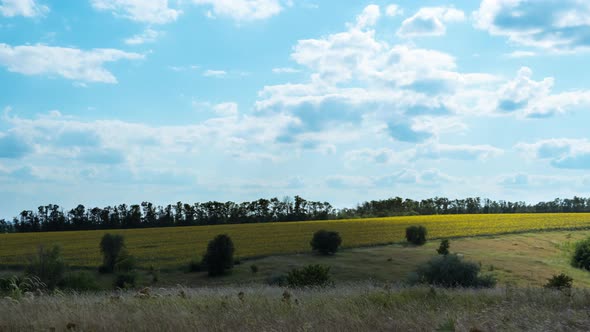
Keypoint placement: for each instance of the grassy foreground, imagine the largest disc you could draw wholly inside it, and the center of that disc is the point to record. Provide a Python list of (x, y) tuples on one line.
[(173, 247), (346, 308)]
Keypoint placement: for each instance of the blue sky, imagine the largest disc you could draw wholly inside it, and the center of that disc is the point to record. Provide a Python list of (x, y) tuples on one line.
[(112, 101)]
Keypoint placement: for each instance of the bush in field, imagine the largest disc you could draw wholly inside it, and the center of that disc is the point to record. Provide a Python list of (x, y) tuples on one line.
[(277, 280), (443, 249), (219, 257), (79, 281), (451, 271), (326, 242), (195, 265), (254, 268), (125, 262), (560, 282), (309, 276), (581, 257), (416, 235), (125, 280), (111, 247), (48, 265)]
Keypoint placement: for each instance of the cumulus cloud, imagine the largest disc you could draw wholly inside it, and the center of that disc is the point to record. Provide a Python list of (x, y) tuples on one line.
[(561, 153), (147, 36), (393, 10), (243, 10), (368, 17), (556, 25), (153, 11), (70, 63), (430, 21), (26, 8)]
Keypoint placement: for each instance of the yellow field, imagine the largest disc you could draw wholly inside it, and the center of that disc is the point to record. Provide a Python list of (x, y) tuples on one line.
[(172, 247)]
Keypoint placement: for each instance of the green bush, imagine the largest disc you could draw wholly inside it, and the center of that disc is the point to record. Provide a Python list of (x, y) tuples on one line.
[(254, 268), (443, 249), (277, 280), (79, 281), (48, 265), (195, 265), (416, 235), (125, 262), (581, 257), (451, 271), (125, 280), (219, 257), (111, 247), (326, 242), (560, 282), (309, 276)]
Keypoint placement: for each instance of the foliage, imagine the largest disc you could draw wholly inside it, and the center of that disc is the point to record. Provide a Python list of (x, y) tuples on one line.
[(48, 265), (416, 235), (254, 268), (125, 262), (581, 257), (16, 287), (125, 280), (443, 249), (79, 281), (309, 276), (195, 265), (111, 246), (326, 242), (451, 271), (560, 282), (219, 257), (277, 279)]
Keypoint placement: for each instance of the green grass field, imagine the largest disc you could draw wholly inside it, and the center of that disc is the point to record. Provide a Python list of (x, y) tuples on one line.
[(174, 247)]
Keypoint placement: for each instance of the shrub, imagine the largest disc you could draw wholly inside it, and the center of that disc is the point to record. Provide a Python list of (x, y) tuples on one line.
[(277, 280), (309, 276), (125, 280), (254, 268), (195, 265), (416, 235), (451, 271), (111, 246), (79, 281), (125, 262), (581, 257), (219, 257), (325, 242), (560, 282), (47, 265), (443, 249)]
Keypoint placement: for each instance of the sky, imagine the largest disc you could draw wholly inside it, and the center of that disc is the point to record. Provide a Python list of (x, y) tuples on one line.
[(105, 102)]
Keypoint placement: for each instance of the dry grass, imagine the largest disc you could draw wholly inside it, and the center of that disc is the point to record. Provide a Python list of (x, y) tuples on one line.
[(346, 308), (173, 247)]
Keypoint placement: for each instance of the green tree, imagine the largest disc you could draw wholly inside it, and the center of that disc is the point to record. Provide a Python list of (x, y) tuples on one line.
[(326, 242), (48, 265), (111, 247), (219, 257)]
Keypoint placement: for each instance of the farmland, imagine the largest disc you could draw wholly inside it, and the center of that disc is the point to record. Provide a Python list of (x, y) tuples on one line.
[(173, 247)]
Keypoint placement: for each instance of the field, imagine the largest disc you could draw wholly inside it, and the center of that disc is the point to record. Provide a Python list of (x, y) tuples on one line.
[(344, 308), (174, 247)]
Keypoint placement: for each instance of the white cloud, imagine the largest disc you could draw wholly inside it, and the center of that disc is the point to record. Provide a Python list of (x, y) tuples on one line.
[(521, 54), (430, 21), (226, 109), (214, 73), (561, 153), (152, 11), (393, 10), (558, 26), (242, 10), (285, 70), (368, 17), (26, 8), (70, 63), (147, 36)]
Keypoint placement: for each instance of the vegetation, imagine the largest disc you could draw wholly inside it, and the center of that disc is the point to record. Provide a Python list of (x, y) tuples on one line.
[(347, 308), (443, 248), (416, 235), (309, 276), (560, 282), (79, 281), (175, 247), (52, 217), (111, 247), (581, 257), (219, 257), (48, 265), (326, 242), (451, 271)]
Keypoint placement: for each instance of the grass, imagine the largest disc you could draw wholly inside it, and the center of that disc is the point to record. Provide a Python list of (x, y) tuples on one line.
[(356, 307), (174, 247)]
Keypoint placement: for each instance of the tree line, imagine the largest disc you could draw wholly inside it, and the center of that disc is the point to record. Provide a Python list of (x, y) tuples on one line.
[(54, 218)]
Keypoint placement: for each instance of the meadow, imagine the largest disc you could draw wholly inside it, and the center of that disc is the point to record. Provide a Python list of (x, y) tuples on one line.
[(173, 247)]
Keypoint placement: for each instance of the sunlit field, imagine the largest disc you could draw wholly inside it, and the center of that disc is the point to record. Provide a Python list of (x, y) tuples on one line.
[(173, 247)]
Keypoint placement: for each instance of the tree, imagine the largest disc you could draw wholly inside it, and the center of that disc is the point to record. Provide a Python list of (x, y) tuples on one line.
[(581, 257), (325, 242), (219, 257), (111, 247), (416, 235), (452, 271), (48, 265), (443, 249)]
